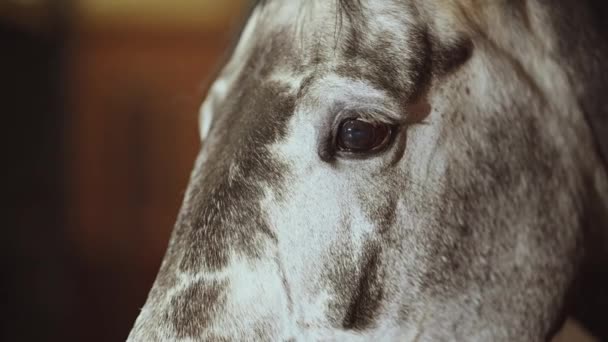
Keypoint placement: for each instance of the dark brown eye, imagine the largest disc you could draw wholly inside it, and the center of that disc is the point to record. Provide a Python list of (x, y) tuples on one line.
[(359, 136)]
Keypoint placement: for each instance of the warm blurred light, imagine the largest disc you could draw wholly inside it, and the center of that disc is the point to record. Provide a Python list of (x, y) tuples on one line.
[(181, 14)]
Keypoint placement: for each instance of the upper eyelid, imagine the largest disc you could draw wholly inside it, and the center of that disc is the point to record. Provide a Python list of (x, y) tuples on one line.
[(371, 113)]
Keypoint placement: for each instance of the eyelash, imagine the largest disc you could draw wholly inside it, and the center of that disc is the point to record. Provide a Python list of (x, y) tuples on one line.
[(364, 114)]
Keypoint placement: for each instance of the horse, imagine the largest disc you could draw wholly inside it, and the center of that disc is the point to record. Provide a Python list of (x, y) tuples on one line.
[(396, 170)]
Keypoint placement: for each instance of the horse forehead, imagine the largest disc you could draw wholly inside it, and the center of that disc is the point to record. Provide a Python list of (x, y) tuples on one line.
[(294, 44), (328, 28)]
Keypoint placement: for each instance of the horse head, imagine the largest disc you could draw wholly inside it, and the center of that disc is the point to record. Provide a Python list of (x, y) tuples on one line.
[(393, 170)]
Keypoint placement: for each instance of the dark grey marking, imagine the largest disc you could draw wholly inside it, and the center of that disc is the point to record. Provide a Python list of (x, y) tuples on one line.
[(365, 59), (224, 213), (341, 274), (496, 172), (261, 3), (192, 309), (356, 283), (384, 216), (371, 60), (262, 331), (366, 299), (447, 57), (352, 9), (306, 83), (430, 57)]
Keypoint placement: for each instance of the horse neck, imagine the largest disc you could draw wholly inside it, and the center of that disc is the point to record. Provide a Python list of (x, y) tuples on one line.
[(583, 50), (589, 300)]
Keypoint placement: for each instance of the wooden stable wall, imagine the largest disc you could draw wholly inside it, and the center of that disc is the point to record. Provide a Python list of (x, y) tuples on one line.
[(136, 85)]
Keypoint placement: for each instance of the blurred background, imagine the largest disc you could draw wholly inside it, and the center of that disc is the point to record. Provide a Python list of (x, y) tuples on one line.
[(99, 109)]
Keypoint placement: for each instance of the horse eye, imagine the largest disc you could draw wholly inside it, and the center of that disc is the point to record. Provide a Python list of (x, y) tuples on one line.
[(359, 136)]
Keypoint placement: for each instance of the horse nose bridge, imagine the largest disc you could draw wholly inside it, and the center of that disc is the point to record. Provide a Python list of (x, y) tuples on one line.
[(222, 218), (211, 306), (222, 248)]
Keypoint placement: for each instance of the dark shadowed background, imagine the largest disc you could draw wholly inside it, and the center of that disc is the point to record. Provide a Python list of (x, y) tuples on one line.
[(99, 106), (99, 103)]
